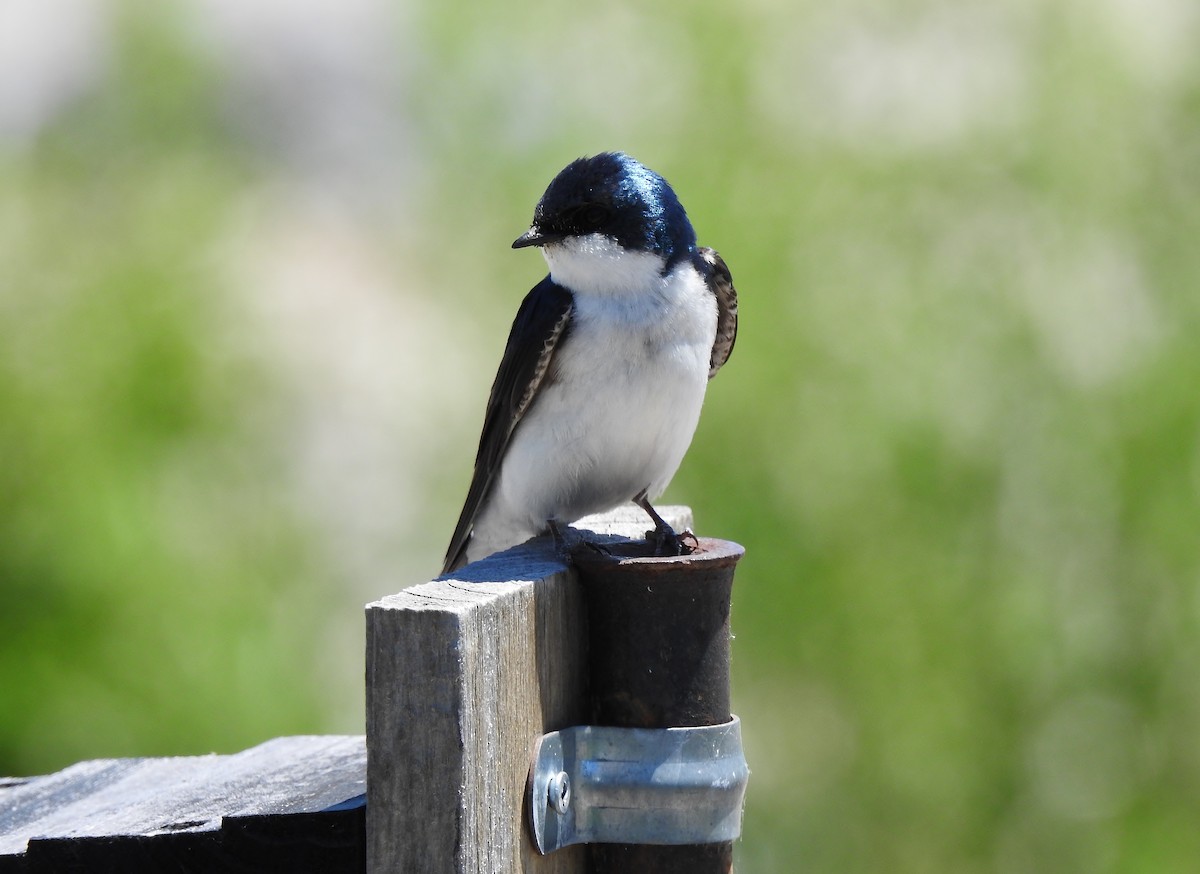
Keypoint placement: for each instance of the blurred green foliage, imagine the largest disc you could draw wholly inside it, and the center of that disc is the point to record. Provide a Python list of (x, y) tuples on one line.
[(960, 435), (142, 551)]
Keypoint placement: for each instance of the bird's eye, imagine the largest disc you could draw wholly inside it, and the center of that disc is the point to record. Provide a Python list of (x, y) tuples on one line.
[(591, 216)]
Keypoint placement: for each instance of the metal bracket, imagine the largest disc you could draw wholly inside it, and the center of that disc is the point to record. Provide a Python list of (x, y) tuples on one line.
[(598, 784)]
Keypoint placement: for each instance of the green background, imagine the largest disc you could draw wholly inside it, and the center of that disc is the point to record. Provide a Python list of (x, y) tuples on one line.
[(255, 280)]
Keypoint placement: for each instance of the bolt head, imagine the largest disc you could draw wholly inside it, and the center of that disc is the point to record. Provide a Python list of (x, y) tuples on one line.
[(558, 792)]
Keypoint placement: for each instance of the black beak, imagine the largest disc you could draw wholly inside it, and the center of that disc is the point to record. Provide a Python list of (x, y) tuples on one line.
[(532, 237)]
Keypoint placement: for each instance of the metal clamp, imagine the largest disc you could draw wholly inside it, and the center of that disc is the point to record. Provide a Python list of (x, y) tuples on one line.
[(598, 784)]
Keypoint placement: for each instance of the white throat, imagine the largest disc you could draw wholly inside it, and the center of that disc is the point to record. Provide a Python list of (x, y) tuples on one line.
[(598, 265)]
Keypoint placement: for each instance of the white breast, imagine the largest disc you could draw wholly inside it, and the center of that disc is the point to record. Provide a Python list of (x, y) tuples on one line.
[(621, 412)]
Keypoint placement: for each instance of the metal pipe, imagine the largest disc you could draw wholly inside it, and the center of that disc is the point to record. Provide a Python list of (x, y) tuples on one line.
[(658, 641)]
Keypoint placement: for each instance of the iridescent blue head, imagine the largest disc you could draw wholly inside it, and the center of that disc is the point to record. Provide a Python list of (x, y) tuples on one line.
[(613, 195)]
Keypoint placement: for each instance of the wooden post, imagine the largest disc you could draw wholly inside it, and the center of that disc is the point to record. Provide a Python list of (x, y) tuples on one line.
[(463, 675)]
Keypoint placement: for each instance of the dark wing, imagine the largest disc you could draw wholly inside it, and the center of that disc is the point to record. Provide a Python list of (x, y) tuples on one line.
[(721, 283), (541, 324)]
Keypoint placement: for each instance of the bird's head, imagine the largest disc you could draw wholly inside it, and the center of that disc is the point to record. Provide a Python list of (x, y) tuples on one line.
[(600, 209)]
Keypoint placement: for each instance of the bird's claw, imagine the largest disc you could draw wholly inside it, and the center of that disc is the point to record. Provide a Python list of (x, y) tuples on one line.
[(569, 543), (667, 543)]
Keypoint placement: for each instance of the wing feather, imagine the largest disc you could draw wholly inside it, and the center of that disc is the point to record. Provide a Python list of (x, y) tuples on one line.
[(721, 282), (541, 325)]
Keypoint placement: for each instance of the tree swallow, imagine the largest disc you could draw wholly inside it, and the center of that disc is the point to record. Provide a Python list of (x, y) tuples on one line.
[(601, 383)]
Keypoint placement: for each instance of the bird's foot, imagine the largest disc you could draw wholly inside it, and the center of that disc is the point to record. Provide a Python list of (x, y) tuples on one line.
[(568, 542), (663, 537), (667, 543)]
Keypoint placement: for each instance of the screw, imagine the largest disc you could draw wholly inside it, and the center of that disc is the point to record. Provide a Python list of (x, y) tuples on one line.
[(558, 792)]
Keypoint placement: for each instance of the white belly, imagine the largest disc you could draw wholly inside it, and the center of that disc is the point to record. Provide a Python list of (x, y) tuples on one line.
[(618, 418)]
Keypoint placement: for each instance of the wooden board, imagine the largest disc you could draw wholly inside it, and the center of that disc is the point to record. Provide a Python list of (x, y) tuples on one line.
[(463, 675), (292, 803)]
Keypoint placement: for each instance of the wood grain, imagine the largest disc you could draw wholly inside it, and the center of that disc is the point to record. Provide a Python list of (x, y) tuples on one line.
[(464, 673), (292, 803)]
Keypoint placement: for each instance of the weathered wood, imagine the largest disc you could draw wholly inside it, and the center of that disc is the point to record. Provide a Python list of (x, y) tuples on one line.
[(463, 675), (293, 803)]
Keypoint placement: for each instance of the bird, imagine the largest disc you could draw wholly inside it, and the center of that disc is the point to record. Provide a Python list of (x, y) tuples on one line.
[(600, 386)]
